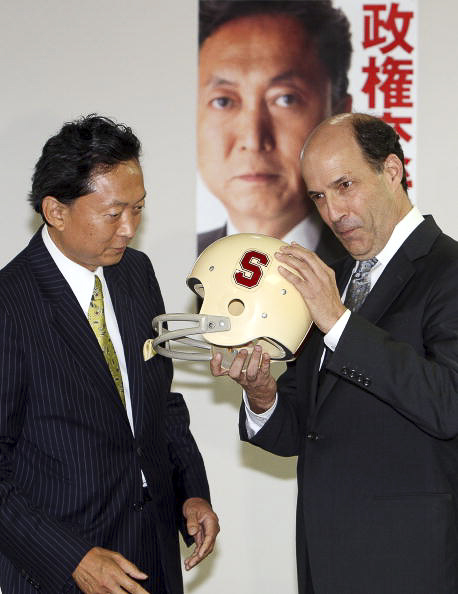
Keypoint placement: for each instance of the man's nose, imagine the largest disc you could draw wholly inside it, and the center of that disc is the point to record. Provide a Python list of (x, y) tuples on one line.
[(337, 208), (128, 225), (255, 129)]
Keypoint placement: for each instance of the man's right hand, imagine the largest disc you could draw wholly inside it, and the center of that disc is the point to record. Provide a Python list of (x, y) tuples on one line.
[(256, 379), (102, 571)]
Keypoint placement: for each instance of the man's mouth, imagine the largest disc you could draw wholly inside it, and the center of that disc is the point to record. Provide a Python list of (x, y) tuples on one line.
[(345, 233), (257, 177)]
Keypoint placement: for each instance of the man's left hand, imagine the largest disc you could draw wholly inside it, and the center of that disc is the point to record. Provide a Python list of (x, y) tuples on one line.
[(315, 281), (202, 523)]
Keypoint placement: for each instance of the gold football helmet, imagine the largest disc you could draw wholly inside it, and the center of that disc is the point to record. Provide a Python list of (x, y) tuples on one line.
[(246, 302)]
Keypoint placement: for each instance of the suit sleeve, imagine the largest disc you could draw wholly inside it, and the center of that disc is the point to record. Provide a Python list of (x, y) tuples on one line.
[(281, 434), (422, 386), (189, 475), (44, 551)]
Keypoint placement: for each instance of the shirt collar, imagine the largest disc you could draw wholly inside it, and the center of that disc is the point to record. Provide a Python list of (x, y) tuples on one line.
[(400, 233), (80, 279)]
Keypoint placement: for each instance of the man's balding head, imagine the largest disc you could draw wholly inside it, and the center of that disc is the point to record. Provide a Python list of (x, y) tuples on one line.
[(376, 138), (353, 167)]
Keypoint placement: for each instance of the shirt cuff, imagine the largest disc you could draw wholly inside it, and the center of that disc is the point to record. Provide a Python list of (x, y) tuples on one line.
[(332, 338), (254, 421)]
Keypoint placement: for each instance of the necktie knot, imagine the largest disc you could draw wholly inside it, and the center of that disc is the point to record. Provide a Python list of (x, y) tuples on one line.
[(365, 266), (97, 295)]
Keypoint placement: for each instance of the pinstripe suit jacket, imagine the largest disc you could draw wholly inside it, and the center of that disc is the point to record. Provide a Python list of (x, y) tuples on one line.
[(69, 464)]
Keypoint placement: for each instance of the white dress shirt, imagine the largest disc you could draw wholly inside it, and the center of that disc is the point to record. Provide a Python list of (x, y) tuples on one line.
[(81, 281), (400, 233)]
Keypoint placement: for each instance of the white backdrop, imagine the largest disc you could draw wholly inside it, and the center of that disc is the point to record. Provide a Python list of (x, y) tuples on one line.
[(137, 61)]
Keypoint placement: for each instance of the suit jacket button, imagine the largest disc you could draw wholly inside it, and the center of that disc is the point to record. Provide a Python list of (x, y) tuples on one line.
[(312, 436), (344, 371), (366, 382), (352, 374), (138, 507), (140, 451)]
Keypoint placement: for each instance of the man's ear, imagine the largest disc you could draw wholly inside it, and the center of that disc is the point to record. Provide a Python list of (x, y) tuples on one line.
[(54, 212), (393, 170)]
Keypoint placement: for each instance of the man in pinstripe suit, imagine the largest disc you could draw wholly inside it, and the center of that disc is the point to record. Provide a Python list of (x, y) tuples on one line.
[(93, 487)]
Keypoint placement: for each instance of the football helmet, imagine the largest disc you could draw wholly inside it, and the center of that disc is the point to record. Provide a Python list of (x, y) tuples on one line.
[(246, 302)]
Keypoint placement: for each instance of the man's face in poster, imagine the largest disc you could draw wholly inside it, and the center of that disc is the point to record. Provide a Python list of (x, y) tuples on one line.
[(262, 89)]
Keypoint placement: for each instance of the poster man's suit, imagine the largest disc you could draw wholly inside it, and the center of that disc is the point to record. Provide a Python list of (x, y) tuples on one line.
[(377, 435), (70, 465)]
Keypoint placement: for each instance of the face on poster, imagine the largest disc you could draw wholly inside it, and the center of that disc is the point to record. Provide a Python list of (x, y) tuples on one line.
[(267, 79)]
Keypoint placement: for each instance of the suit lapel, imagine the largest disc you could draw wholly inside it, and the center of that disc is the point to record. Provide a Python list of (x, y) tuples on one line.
[(399, 270), (70, 323), (396, 275), (393, 279)]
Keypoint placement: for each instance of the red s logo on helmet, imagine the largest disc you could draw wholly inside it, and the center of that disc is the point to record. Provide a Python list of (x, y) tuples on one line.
[(251, 272)]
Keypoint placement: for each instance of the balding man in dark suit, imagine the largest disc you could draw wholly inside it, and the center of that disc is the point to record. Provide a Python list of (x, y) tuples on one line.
[(371, 405)]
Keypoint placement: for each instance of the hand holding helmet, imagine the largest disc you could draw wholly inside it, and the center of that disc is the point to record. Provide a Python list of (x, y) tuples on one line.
[(252, 372), (246, 301), (315, 281)]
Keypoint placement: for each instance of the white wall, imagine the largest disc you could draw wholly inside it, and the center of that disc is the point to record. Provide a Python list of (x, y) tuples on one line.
[(137, 62)]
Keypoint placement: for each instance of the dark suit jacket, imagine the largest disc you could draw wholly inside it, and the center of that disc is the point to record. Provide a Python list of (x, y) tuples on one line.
[(329, 247), (69, 464), (377, 437)]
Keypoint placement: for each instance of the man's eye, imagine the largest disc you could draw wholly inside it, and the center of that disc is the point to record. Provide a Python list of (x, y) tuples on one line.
[(114, 215), (316, 197), (221, 102), (286, 100), (346, 184)]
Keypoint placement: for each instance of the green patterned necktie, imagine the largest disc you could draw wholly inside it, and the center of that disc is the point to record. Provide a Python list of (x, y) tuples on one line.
[(96, 317)]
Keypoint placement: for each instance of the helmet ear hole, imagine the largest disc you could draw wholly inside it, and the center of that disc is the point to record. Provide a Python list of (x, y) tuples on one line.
[(199, 289), (236, 307)]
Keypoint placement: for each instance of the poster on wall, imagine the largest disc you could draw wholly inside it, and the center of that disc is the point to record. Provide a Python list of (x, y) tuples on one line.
[(269, 72)]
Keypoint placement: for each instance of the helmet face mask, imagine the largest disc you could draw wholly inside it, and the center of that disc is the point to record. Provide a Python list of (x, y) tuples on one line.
[(245, 302)]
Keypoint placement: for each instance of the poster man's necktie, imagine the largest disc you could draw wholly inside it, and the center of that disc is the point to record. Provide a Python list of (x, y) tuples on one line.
[(96, 317), (359, 285)]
